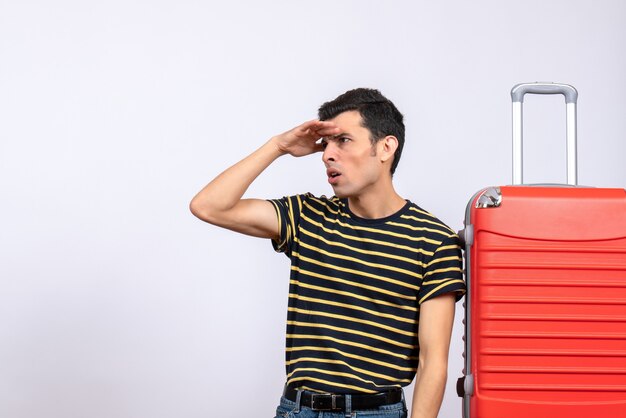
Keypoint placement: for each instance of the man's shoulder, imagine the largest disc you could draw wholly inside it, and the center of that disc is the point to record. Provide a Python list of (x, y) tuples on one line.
[(322, 203), (309, 201), (425, 219)]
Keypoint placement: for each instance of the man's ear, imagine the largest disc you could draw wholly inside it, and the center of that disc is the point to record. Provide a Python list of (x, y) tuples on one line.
[(388, 146)]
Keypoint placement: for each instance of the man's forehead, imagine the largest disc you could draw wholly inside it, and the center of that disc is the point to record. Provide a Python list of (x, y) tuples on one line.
[(348, 117), (349, 122)]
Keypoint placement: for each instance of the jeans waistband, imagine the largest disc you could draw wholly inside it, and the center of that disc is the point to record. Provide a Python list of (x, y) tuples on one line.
[(339, 402)]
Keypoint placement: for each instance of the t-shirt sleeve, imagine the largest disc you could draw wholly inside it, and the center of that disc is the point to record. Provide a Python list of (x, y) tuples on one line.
[(288, 214), (444, 271)]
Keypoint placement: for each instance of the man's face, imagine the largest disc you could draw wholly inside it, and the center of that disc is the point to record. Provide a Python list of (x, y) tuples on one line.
[(351, 161)]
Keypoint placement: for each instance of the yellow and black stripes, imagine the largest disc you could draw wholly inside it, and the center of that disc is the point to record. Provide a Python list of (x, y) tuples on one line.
[(355, 289)]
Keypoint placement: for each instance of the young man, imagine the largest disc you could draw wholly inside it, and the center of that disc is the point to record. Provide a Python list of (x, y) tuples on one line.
[(374, 277)]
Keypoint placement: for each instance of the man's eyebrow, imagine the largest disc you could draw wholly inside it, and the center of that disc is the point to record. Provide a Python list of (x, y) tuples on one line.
[(328, 138)]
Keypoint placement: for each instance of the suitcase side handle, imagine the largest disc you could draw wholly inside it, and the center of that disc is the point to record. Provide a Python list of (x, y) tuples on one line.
[(571, 97)]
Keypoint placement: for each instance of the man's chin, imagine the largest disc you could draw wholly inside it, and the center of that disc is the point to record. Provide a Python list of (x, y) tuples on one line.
[(341, 194), (338, 193)]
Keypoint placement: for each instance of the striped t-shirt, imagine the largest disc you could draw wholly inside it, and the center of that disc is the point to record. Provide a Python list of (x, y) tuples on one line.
[(355, 289)]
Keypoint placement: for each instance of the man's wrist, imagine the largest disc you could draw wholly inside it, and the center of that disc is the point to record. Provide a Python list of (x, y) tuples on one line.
[(274, 143)]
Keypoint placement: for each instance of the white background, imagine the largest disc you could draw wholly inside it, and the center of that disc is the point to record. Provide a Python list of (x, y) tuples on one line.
[(114, 300)]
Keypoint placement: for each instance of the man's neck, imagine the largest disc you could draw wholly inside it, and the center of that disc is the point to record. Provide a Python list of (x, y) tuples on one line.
[(376, 205)]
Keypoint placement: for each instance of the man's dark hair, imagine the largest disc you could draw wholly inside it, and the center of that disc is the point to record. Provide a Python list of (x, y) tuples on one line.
[(380, 116)]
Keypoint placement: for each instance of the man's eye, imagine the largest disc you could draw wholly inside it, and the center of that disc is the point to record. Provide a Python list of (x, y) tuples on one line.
[(324, 144), (344, 139)]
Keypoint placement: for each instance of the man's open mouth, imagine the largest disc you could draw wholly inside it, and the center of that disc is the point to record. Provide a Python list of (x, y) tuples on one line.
[(332, 175)]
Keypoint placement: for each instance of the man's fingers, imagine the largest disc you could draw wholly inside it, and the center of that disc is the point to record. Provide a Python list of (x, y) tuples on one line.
[(319, 147), (315, 129), (324, 128), (328, 131), (308, 125)]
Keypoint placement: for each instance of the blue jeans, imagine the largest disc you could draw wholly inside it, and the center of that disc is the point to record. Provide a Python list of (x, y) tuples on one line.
[(289, 409)]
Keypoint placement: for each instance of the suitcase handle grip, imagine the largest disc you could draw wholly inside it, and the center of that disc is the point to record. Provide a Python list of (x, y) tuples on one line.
[(519, 90), (571, 97)]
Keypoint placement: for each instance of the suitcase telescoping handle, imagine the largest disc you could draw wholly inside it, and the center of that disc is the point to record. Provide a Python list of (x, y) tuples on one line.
[(571, 96)]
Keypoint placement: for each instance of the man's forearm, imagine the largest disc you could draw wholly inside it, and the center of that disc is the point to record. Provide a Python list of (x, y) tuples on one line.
[(226, 190), (223, 192), (429, 389)]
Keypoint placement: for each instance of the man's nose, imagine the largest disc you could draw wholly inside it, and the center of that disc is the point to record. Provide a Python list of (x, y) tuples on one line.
[(329, 153)]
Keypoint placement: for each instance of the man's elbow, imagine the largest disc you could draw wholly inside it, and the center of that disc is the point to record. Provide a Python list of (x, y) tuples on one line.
[(202, 210), (434, 365)]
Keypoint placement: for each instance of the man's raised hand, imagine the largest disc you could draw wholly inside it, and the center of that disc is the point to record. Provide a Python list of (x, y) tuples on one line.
[(303, 140)]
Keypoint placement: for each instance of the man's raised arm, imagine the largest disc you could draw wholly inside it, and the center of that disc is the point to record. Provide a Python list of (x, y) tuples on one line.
[(220, 202)]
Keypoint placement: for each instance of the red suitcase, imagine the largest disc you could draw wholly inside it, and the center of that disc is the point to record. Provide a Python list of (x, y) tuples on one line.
[(545, 312)]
